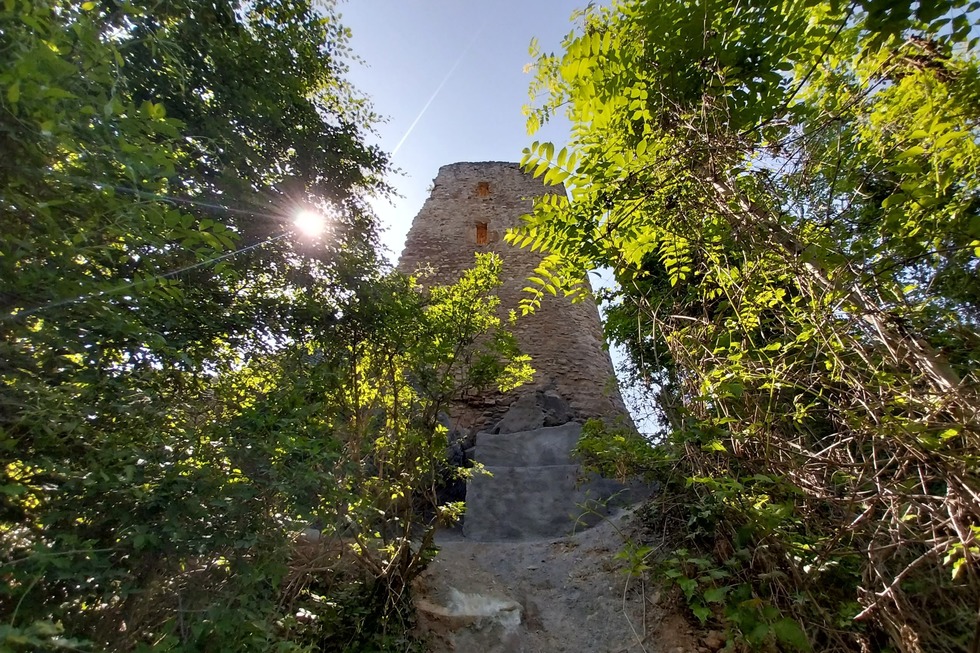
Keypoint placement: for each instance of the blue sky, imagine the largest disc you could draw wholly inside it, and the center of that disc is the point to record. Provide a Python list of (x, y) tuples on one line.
[(457, 68), (449, 76)]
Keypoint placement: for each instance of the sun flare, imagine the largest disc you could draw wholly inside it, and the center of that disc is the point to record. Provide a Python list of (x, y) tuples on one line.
[(310, 223)]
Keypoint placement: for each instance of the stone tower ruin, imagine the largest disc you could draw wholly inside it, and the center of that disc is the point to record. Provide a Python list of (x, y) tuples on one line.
[(469, 210), (525, 438)]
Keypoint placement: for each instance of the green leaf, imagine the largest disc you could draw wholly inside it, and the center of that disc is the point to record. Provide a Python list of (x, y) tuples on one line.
[(758, 633), (687, 585), (894, 200), (13, 489), (716, 594), (702, 612), (541, 167), (788, 631), (13, 92), (915, 150)]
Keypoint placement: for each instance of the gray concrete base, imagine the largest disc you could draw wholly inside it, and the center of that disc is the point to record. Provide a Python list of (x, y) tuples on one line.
[(536, 489)]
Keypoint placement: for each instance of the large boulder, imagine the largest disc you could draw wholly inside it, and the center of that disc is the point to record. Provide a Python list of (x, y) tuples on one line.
[(533, 411)]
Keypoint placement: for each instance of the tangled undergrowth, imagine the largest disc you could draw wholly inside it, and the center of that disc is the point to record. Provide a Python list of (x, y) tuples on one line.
[(774, 563)]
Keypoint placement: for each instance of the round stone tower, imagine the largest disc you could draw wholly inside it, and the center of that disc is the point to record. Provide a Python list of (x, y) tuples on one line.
[(469, 210)]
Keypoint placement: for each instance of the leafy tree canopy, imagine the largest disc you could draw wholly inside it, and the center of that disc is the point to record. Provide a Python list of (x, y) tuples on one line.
[(188, 381), (788, 194)]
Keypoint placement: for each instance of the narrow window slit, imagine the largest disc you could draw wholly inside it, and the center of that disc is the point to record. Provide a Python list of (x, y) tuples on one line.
[(482, 237)]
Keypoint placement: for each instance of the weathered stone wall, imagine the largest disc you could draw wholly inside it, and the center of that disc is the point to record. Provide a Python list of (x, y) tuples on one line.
[(564, 339)]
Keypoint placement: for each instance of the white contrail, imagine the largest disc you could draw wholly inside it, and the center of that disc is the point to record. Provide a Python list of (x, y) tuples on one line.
[(445, 79)]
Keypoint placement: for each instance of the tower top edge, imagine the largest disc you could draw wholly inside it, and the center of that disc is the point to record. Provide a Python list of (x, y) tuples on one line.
[(480, 164)]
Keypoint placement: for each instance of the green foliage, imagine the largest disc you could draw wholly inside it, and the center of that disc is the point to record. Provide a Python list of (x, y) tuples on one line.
[(788, 195), (616, 452), (186, 383)]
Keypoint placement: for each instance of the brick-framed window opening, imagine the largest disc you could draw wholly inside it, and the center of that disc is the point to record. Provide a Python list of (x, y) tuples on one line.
[(483, 189), (482, 236)]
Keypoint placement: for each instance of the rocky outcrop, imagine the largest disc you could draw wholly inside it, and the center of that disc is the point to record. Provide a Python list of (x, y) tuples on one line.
[(566, 595)]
